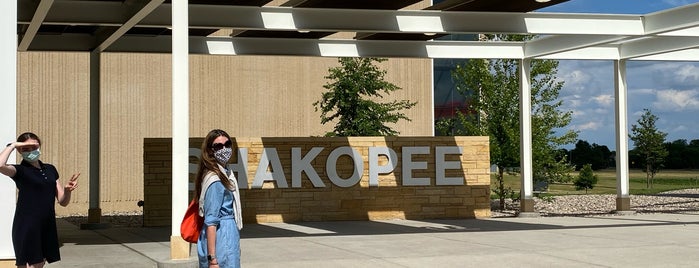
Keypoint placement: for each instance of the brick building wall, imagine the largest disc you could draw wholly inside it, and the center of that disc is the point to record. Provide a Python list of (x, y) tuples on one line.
[(279, 200)]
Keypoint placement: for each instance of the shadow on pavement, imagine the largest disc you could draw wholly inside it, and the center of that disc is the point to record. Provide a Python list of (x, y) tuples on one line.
[(430, 226), (70, 233)]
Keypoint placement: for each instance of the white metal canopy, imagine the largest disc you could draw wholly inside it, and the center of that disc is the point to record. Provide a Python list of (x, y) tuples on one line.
[(164, 27), (565, 36)]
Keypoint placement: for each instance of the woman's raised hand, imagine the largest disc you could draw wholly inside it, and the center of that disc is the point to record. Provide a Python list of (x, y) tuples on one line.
[(73, 182)]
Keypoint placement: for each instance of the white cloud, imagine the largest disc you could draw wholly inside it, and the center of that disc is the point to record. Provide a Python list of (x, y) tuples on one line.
[(676, 100), (576, 81), (680, 128), (578, 113), (588, 126), (603, 111), (676, 75), (638, 114), (571, 102), (577, 77), (603, 100), (688, 73), (643, 91)]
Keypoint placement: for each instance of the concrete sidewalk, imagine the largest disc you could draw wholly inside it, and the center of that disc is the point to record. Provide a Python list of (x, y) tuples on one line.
[(642, 240)]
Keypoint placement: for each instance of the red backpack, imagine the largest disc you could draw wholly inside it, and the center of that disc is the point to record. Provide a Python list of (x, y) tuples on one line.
[(192, 221)]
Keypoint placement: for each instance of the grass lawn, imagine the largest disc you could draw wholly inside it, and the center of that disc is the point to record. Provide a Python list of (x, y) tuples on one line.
[(665, 180)]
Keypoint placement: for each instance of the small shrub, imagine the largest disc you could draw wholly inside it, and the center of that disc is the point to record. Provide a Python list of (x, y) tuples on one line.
[(548, 198), (586, 179)]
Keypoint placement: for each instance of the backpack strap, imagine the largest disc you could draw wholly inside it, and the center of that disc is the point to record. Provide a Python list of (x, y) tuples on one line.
[(210, 178)]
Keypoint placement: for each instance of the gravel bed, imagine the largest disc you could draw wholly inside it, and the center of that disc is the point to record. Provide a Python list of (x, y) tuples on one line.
[(679, 201)]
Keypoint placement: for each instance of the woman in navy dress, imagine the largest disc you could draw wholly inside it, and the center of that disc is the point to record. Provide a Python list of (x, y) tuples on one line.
[(34, 234), (219, 204)]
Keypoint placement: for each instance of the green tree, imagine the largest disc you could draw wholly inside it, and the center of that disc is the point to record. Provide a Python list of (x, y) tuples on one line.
[(678, 155), (492, 87), (597, 155), (350, 103), (693, 154), (586, 179), (649, 144)]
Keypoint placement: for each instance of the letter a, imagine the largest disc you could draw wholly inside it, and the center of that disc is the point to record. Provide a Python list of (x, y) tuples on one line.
[(270, 157)]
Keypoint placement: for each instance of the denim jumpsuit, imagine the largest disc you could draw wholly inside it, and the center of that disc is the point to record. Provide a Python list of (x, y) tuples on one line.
[(218, 211)]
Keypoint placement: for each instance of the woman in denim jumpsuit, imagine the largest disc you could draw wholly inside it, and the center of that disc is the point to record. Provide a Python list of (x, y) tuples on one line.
[(219, 241)]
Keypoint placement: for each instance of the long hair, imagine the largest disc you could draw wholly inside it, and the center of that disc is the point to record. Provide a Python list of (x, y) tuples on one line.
[(208, 163)]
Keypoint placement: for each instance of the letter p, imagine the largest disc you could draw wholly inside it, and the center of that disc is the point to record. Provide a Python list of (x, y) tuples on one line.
[(375, 169)]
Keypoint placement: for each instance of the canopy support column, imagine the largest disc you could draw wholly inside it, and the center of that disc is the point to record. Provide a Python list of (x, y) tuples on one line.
[(179, 249), (623, 202), (525, 132), (8, 117), (94, 213)]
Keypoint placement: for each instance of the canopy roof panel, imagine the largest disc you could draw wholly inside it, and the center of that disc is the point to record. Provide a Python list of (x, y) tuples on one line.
[(382, 28)]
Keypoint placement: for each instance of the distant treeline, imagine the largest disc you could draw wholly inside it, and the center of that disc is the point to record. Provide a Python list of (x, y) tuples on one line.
[(682, 155)]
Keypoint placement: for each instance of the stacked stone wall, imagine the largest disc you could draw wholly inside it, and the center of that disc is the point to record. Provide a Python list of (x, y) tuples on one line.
[(270, 197)]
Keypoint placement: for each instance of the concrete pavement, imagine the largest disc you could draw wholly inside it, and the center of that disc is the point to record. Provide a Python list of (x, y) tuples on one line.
[(640, 240)]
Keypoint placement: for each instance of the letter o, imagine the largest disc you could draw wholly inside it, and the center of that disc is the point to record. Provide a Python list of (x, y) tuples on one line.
[(331, 166)]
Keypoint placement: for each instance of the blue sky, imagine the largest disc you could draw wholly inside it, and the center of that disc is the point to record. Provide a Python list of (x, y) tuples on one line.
[(669, 89)]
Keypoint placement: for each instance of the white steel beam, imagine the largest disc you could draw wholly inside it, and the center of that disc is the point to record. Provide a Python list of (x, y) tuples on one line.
[(672, 19), (137, 17), (326, 47), (107, 13), (693, 31), (558, 44), (684, 55), (583, 24), (656, 45), (38, 17), (607, 52), (673, 48)]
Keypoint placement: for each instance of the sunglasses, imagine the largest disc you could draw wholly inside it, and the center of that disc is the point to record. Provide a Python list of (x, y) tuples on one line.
[(219, 146)]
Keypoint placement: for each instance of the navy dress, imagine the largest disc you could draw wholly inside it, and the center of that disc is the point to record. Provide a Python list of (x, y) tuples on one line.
[(34, 234)]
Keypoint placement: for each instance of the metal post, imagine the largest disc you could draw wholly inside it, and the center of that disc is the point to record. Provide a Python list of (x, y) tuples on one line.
[(8, 117), (179, 249), (623, 202), (525, 120), (94, 213)]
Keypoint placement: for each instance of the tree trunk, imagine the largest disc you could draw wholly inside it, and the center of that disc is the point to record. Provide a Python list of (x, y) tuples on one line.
[(648, 177), (501, 187)]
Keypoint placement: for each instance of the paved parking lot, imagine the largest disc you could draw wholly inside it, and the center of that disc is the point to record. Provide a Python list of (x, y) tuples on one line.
[(641, 240)]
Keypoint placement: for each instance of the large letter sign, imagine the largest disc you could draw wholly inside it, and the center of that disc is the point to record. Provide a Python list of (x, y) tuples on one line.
[(304, 164)]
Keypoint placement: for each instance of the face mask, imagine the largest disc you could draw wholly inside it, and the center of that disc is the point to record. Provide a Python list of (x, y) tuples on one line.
[(223, 155), (32, 156)]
